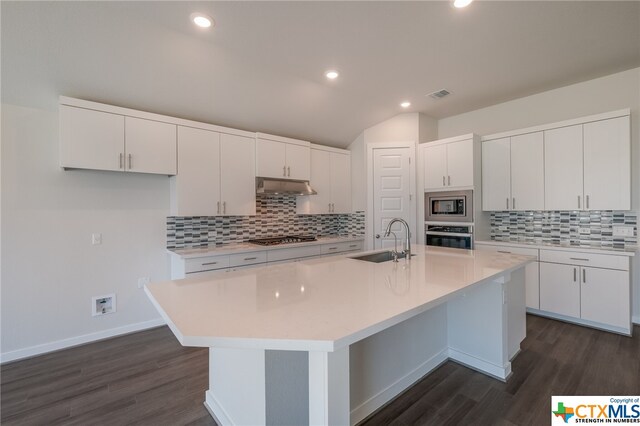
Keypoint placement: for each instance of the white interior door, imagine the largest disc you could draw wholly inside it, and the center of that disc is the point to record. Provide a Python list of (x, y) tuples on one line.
[(391, 193)]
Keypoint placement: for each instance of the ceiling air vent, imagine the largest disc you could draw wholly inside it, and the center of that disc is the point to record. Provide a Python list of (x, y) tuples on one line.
[(439, 94)]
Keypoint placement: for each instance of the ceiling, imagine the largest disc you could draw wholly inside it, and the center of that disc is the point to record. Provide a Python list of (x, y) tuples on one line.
[(262, 67)]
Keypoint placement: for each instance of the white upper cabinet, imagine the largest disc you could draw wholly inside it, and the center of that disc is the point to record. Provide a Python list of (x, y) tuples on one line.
[(237, 175), (588, 166), (527, 172), (91, 139), (195, 191), (102, 137), (448, 164), (580, 164), (215, 174), (496, 174), (282, 158), (150, 146), (331, 179), (563, 168), (607, 173), (513, 173)]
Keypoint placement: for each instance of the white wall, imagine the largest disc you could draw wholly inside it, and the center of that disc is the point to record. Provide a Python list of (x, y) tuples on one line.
[(50, 270), (609, 93)]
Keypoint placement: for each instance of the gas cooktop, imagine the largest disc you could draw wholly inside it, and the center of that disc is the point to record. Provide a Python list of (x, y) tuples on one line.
[(287, 239)]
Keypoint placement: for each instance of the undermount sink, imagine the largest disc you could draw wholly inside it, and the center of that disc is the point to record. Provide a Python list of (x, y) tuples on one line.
[(379, 257)]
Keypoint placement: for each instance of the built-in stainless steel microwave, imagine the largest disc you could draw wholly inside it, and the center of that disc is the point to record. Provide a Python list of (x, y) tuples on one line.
[(450, 206)]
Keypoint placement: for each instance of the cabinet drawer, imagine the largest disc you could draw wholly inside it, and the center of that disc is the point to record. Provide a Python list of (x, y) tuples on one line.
[(242, 259), (509, 250), (341, 247), (210, 263), (293, 253), (585, 259)]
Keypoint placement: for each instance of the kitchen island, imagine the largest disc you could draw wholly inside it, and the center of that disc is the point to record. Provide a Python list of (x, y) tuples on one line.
[(330, 340)]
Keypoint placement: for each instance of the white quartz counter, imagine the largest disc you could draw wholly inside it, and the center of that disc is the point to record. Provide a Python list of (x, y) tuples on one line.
[(319, 304), (561, 247), (248, 247)]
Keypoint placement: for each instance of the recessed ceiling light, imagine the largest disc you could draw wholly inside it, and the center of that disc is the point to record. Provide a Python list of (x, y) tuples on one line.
[(405, 104), (202, 20), (332, 74), (461, 3)]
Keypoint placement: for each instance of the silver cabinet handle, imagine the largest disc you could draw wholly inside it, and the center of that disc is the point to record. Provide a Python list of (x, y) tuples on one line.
[(218, 207), (250, 258), (507, 203), (284, 171), (130, 161), (353, 245), (513, 204), (503, 251), (587, 200), (120, 166), (443, 184), (578, 201), (210, 263), (584, 276), (332, 248), (333, 208), (579, 258), (449, 180), (329, 207), (574, 274), (289, 171), (224, 207)]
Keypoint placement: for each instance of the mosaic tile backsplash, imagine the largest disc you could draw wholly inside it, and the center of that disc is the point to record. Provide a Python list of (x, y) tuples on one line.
[(275, 216), (563, 227)]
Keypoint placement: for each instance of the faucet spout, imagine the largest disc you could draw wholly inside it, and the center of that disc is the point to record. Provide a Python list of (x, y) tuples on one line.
[(407, 241)]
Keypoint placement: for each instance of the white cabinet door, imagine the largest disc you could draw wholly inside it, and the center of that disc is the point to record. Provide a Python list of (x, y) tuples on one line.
[(435, 166), (91, 139), (195, 190), (560, 289), (605, 296), (271, 159), (298, 162), (496, 175), (527, 172), (563, 168), (150, 146), (460, 164), (237, 175), (607, 164), (321, 182), (340, 182)]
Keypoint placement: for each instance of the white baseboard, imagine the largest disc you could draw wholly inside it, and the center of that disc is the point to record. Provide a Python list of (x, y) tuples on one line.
[(214, 408), (360, 412), (499, 372), (78, 340)]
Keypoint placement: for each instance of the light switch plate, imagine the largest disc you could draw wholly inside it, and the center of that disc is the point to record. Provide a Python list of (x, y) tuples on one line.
[(623, 231)]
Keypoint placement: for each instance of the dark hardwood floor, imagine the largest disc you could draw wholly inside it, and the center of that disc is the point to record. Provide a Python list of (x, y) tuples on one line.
[(147, 378)]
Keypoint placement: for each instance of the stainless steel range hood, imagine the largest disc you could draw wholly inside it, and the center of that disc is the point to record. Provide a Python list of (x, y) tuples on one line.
[(283, 187)]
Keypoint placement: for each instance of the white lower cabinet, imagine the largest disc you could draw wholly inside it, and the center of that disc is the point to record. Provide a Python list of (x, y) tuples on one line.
[(593, 288)]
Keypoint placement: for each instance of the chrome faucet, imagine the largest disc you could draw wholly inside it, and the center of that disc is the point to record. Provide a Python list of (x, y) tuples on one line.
[(407, 242)]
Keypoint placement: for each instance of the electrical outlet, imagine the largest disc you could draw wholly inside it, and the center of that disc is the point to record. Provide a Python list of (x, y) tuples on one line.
[(623, 231), (142, 281), (584, 231), (101, 305), (96, 239)]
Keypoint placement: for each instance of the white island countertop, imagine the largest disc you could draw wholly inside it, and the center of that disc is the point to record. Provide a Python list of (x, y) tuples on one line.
[(320, 304)]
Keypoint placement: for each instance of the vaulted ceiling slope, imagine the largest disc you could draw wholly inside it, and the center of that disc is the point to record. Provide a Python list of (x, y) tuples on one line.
[(262, 67)]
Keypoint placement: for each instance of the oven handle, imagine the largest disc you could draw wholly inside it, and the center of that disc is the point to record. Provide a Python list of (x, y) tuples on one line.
[(448, 234)]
